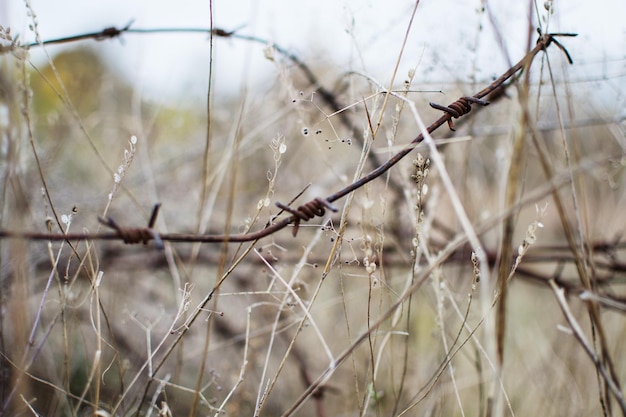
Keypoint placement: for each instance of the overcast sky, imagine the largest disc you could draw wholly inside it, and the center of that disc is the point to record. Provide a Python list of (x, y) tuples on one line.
[(363, 35)]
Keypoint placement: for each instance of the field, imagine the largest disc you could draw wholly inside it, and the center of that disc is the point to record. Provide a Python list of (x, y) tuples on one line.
[(321, 242)]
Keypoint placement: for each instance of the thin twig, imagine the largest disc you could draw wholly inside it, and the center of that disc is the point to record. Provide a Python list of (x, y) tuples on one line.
[(599, 363)]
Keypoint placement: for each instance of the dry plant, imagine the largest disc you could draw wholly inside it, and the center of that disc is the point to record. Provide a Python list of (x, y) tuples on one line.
[(475, 271)]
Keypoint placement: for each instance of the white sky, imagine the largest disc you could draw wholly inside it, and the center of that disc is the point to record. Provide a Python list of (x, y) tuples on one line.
[(363, 35)]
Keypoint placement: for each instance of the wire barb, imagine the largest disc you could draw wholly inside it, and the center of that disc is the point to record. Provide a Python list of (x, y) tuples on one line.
[(112, 32), (314, 208), (548, 38), (153, 216), (459, 108), (135, 235)]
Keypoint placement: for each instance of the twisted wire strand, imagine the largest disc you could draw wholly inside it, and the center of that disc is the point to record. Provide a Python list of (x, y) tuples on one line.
[(133, 235), (314, 208), (459, 108)]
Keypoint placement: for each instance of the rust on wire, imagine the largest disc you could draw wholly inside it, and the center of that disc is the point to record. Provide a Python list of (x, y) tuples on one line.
[(135, 235), (129, 235), (459, 108), (314, 208)]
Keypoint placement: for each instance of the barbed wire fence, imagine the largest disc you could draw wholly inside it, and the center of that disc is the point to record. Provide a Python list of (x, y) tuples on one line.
[(605, 253)]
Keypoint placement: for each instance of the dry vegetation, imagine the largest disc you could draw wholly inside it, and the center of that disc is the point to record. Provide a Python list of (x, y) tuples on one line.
[(483, 278)]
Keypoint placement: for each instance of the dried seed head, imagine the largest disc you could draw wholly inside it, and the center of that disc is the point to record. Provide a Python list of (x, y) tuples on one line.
[(421, 165)]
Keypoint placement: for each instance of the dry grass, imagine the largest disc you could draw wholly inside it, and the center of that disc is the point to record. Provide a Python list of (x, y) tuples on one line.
[(481, 276)]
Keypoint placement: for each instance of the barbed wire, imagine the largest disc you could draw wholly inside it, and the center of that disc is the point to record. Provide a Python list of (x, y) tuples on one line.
[(314, 208)]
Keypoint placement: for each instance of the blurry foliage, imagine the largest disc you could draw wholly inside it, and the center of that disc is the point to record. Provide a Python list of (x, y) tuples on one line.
[(93, 106), (81, 73)]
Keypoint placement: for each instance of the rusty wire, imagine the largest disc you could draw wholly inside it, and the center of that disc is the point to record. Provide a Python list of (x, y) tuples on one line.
[(312, 209)]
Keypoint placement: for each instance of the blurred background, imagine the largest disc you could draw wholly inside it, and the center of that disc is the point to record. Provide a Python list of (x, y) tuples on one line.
[(455, 36)]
